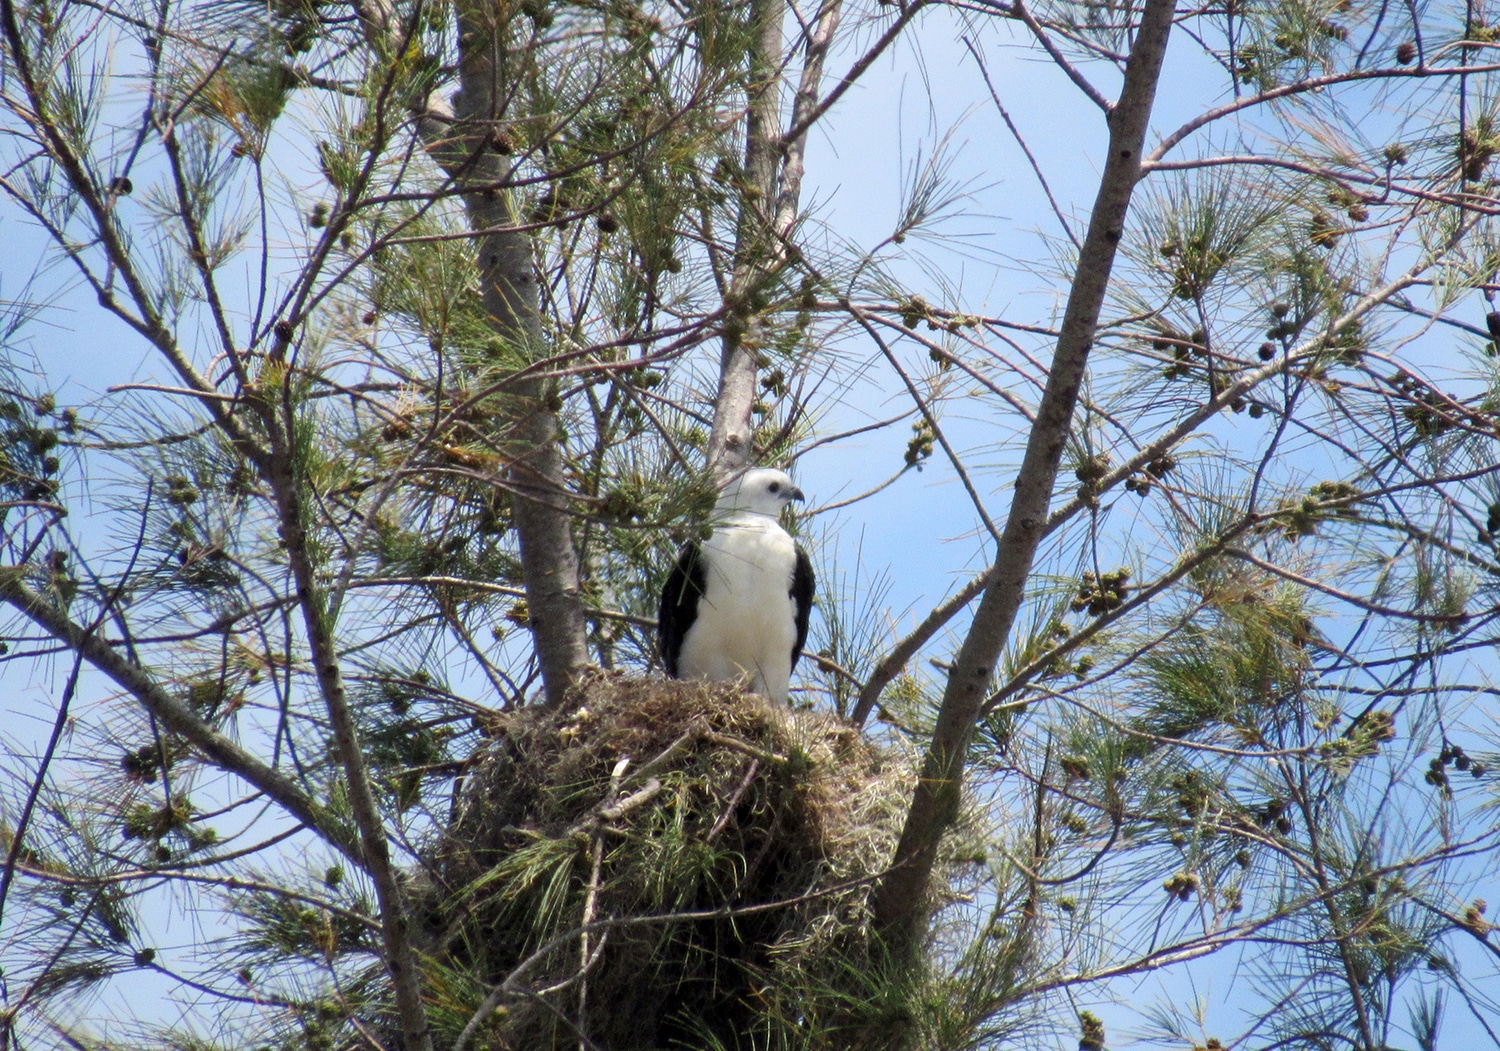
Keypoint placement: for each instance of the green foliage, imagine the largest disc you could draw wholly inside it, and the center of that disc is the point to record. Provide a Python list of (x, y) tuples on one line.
[(31, 432), (1232, 669), (1202, 227), (1291, 39), (407, 732), (281, 928)]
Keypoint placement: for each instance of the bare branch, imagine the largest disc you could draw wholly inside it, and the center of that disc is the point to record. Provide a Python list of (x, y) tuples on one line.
[(176, 716), (899, 902)]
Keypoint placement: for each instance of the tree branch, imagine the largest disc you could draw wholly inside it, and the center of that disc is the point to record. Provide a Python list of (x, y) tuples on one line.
[(175, 715), (900, 901)]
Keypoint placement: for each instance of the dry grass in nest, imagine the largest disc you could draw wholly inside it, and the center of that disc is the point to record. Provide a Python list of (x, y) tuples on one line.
[(660, 864)]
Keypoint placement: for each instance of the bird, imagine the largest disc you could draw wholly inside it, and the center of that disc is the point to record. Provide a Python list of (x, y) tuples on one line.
[(735, 607)]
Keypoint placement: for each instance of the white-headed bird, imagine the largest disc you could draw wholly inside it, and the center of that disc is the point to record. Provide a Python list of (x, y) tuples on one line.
[(735, 607)]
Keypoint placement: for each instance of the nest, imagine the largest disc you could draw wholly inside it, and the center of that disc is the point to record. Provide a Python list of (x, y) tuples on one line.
[(661, 864)]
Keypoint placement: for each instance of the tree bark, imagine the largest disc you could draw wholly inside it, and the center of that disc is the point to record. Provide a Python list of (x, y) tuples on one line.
[(805, 104), (731, 440), (900, 902), (460, 142), (511, 299)]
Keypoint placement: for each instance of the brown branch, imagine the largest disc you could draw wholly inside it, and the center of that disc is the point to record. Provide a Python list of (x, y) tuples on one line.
[(290, 489), (815, 113), (1015, 133), (899, 902), (794, 146), (1069, 70), (511, 298), (176, 716), (1309, 84), (459, 142), (901, 653)]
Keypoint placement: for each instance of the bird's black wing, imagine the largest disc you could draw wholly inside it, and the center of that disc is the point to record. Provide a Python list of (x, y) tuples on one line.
[(679, 605), (802, 595)]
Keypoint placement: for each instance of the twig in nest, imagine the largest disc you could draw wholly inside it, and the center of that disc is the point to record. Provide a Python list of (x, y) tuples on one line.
[(693, 733), (636, 799), (734, 801), (740, 746), (587, 955)]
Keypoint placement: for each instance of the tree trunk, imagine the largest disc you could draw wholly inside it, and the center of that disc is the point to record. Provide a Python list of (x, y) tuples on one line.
[(511, 298), (731, 441), (900, 902)]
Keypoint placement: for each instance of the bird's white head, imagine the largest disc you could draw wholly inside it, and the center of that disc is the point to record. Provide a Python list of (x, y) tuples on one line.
[(761, 491)]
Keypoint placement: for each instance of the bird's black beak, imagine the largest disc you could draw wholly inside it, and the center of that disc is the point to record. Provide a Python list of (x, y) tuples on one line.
[(795, 494)]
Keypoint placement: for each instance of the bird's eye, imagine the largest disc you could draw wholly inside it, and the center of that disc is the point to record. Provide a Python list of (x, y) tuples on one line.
[(775, 487)]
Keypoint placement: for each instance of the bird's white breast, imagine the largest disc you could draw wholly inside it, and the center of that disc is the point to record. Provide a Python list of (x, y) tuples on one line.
[(746, 624)]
